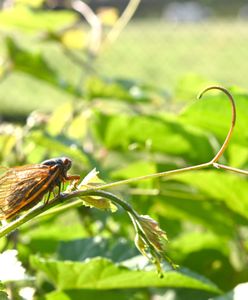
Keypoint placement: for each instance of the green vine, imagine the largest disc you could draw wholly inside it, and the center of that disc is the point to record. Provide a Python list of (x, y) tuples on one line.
[(149, 237)]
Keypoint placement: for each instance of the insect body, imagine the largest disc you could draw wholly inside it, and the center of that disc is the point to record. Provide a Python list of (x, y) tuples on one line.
[(23, 187)]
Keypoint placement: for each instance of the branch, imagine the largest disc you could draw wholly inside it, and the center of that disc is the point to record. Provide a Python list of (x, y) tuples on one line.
[(94, 22), (97, 190), (121, 22)]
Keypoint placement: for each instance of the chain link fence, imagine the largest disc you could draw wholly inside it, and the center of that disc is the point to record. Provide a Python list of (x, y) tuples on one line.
[(168, 39)]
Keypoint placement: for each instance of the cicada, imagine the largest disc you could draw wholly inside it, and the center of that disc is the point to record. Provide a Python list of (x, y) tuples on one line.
[(23, 187)]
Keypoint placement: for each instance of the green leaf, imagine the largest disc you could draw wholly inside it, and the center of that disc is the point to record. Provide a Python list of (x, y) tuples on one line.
[(115, 89), (103, 295), (29, 62), (189, 85), (153, 133), (220, 186), (31, 3), (45, 234), (79, 250), (34, 64), (195, 208), (28, 95), (213, 114), (59, 118), (102, 274), (59, 144), (239, 292), (205, 253), (135, 169), (4, 296), (196, 241), (28, 20)]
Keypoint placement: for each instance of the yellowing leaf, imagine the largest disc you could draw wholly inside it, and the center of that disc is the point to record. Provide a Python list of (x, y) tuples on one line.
[(154, 233), (59, 118), (108, 16), (74, 38), (100, 203), (91, 179), (33, 3)]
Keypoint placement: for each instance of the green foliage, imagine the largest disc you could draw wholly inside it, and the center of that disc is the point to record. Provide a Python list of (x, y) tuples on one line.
[(124, 129), (101, 273)]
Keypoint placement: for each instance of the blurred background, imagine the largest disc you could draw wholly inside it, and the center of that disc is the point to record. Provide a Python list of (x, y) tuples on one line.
[(112, 85), (165, 44)]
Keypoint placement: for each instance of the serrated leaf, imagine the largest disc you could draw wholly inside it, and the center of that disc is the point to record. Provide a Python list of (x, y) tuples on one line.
[(91, 179), (102, 274)]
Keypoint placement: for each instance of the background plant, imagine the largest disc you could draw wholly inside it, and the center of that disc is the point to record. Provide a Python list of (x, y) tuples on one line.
[(123, 129)]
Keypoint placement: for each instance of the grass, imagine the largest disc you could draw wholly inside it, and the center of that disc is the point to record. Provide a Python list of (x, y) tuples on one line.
[(155, 52), (161, 53)]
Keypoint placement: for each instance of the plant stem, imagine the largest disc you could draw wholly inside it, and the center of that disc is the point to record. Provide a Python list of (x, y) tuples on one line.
[(233, 121), (235, 170), (94, 191), (4, 230), (121, 23), (98, 190), (94, 22), (152, 176)]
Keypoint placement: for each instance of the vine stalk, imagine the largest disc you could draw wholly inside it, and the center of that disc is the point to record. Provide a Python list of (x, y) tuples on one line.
[(98, 190)]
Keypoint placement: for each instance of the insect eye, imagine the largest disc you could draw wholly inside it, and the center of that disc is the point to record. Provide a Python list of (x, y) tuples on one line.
[(67, 161)]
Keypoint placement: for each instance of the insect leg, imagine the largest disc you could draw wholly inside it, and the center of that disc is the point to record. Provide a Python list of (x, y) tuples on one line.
[(74, 178), (59, 189), (48, 197)]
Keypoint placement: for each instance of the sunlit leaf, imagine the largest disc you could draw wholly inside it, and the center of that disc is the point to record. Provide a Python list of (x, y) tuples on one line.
[(81, 249), (94, 294), (102, 274), (213, 114), (220, 186), (22, 18), (108, 16), (155, 134), (74, 39)]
